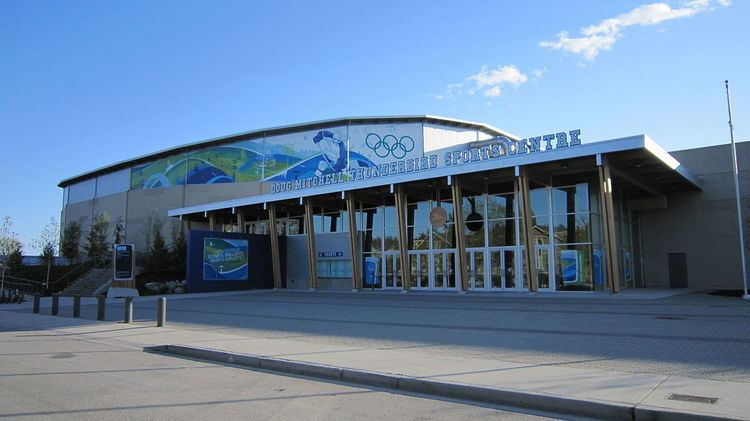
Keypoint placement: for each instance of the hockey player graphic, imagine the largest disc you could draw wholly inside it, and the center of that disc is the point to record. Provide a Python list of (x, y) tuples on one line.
[(332, 152)]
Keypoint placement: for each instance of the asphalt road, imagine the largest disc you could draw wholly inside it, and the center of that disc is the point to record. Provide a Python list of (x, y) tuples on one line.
[(44, 375), (692, 335)]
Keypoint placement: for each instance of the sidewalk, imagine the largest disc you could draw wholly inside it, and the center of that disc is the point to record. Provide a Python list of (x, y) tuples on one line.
[(580, 391)]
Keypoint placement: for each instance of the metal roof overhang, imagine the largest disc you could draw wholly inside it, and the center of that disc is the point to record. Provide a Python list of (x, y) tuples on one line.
[(278, 130), (638, 148)]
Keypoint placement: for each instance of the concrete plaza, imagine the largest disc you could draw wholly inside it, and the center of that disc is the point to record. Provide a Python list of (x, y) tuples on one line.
[(628, 351)]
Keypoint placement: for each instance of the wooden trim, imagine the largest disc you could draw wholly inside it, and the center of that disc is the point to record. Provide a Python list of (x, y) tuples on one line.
[(403, 242), (275, 257), (459, 223), (312, 255), (351, 210), (521, 186)]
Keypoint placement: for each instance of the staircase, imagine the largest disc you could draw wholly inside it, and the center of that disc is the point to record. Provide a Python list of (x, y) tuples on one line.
[(88, 283)]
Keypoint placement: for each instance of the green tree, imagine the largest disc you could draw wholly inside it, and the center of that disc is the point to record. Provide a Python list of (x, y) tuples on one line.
[(96, 247), (119, 232), (14, 259), (8, 240), (48, 240), (179, 248), (71, 238), (159, 256)]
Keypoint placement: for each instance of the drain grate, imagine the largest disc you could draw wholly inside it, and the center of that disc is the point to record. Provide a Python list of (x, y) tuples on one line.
[(692, 398)]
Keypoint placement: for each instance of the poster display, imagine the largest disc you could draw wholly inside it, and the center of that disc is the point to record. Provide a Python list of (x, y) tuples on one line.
[(571, 262), (224, 259)]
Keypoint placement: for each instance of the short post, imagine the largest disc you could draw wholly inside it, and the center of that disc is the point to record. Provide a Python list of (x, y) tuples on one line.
[(161, 312), (77, 305), (128, 310), (36, 303), (100, 307), (55, 304)]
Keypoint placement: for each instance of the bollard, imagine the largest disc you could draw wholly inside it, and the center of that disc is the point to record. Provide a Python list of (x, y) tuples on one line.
[(128, 310), (36, 303), (55, 304), (77, 305), (161, 312), (100, 308)]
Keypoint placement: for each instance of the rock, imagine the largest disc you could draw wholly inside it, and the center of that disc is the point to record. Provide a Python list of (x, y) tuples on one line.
[(154, 286), (179, 290), (183, 282), (171, 285)]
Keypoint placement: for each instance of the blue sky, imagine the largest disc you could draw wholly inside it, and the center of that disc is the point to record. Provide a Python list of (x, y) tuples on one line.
[(87, 84)]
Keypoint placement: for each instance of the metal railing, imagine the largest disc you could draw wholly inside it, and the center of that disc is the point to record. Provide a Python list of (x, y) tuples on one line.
[(30, 286)]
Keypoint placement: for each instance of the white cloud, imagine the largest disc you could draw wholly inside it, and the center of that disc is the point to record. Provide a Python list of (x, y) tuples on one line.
[(604, 35), (488, 81), (538, 74), (493, 92)]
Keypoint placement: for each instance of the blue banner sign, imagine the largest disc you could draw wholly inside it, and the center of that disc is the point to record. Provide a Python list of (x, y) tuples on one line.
[(331, 254)]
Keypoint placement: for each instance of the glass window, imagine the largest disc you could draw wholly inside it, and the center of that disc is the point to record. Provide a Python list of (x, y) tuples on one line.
[(443, 237), (500, 206), (419, 237), (391, 217), (502, 232), (539, 202), (540, 230), (418, 213), (570, 199), (573, 228), (472, 204), (391, 239), (474, 238)]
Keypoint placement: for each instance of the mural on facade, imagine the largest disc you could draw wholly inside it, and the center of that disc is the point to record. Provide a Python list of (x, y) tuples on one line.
[(284, 158)]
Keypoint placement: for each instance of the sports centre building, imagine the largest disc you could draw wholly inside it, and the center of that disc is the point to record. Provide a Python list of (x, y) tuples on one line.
[(430, 203)]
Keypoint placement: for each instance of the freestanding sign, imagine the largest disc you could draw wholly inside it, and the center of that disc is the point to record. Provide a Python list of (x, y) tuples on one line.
[(124, 262)]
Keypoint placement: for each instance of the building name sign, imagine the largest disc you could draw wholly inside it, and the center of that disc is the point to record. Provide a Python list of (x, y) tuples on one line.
[(495, 148)]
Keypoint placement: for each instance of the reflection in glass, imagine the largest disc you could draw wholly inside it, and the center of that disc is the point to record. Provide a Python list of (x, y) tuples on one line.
[(542, 266), (539, 202), (500, 206), (502, 232), (474, 238), (496, 268), (477, 268), (572, 228), (573, 268), (438, 269), (510, 268), (443, 237), (391, 239)]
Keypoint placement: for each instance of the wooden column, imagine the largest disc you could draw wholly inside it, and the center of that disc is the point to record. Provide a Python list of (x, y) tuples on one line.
[(403, 242), (351, 210), (521, 187), (459, 223), (312, 255), (211, 221), (275, 258), (609, 228)]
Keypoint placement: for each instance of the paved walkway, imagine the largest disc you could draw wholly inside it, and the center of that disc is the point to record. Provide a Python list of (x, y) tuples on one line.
[(637, 352)]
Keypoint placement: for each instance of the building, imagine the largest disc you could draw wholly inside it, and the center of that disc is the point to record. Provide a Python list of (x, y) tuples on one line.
[(460, 205)]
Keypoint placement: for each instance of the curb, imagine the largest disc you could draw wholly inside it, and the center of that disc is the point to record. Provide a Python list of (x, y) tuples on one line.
[(505, 397)]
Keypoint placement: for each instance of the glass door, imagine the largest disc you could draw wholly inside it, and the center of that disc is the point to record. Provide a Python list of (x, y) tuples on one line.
[(477, 269), (419, 264), (443, 269), (503, 264), (391, 272), (544, 274)]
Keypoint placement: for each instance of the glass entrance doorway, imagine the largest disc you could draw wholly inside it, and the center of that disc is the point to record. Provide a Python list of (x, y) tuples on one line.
[(433, 270), (391, 270)]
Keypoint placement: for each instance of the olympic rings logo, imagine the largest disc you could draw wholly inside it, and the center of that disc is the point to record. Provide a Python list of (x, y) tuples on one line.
[(389, 145)]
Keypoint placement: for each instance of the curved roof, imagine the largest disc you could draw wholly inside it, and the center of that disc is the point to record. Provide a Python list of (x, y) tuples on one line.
[(270, 131)]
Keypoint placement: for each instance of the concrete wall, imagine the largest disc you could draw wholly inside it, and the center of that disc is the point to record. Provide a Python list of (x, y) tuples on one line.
[(703, 225), (135, 207)]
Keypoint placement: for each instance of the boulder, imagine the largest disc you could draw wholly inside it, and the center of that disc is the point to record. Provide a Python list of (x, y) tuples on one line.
[(171, 285), (179, 290), (154, 286)]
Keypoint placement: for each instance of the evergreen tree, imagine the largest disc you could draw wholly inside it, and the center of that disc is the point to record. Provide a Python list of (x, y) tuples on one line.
[(97, 248), (70, 241)]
